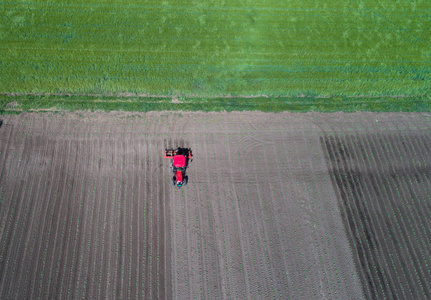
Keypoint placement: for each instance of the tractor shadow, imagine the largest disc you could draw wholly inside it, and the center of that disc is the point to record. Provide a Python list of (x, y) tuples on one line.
[(175, 143)]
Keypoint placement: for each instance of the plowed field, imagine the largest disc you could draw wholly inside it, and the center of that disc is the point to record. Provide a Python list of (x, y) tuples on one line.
[(277, 206)]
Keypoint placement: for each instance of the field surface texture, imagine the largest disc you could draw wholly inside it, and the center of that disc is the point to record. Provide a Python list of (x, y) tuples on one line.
[(299, 206), (214, 47)]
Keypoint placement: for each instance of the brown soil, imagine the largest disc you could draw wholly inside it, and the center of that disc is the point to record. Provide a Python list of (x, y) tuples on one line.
[(383, 180), (87, 209)]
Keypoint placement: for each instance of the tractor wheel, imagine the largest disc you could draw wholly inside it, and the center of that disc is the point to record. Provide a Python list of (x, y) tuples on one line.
[(186, 178), (174, 180)]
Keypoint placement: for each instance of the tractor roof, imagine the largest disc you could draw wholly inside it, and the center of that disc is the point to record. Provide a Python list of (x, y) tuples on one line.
[(179, 161)]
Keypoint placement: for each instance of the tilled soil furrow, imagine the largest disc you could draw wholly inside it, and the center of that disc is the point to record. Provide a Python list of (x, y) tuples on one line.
[(215, 234), (147, 246), (402, 184), (142, 229), (277, 206), (174, 220), (202, 232), (387, 200), (58, 182), (93, 243), (11, 254), (68, 214), (348, 208), (85, 253), (48, 246), (245, 276), (100, 253), (343, 273), (296, 234), (251, 215), (182, 277), (5, 152), (188, 243), (215, 284), (116, 217), (232, 275), (166, 230), (9, 203), (105, 272), (42, 222), (63, 210), (77, 225), (311, 270), (24, 256), (328, 286), (262, 191), (121, 229), (154, 238), (161, 228), (390, 198), (131, 251), (137, 245), (278, 198)]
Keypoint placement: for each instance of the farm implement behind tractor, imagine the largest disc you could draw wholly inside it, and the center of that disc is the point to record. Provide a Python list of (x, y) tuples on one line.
[(180, 158)]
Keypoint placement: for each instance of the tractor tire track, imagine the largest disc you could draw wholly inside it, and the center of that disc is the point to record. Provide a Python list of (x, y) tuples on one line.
[(277, 206)]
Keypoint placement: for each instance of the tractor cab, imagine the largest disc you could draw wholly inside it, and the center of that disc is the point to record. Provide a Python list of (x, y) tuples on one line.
[(179, 161)]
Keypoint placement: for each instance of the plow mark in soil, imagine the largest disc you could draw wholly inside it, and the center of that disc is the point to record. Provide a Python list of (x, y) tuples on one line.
[(87, 209), (383, 182), (83, 212)]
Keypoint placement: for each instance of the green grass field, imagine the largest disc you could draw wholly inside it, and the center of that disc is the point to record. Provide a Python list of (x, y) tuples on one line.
[(211, 48)]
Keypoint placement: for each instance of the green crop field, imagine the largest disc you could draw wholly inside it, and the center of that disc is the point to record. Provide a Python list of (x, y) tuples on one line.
[(206, 49)]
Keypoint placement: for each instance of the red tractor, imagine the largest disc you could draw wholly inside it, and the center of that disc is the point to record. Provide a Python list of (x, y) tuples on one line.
[(179, 163)]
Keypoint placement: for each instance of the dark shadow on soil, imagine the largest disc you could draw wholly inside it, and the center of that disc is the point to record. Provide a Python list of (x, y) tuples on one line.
[(383, 186)]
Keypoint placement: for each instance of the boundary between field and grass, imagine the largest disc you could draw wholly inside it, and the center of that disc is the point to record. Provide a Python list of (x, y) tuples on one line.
[(11, 103)]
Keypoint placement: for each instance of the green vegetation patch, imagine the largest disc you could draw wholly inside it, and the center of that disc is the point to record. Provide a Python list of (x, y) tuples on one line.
[(17, 104), (214, 48)]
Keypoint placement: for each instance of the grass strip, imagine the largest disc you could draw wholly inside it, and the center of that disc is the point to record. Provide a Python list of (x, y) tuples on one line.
[(10, 104)]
